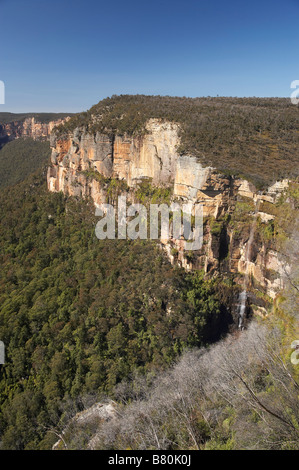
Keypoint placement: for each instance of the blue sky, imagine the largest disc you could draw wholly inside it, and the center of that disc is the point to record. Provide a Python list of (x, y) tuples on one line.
[(66, 55)]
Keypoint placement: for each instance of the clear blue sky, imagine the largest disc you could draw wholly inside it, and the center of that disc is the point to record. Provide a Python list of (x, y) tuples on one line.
[(66, 55)]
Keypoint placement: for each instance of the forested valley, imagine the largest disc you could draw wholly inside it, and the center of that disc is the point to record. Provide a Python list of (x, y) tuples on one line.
[(79, 315), (87, 321)]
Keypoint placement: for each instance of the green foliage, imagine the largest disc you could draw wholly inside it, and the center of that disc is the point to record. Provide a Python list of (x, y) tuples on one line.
[(40, 117), (146, 193), (216, 226), (266, 231), (96, 175), (114, 187), (242, 216), (241, 393), (254, 138), (19, 157), (210, 315), (79, 314), (285, 211)]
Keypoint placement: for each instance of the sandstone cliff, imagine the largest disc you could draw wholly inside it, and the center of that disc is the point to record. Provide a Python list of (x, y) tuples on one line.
[(78, 157), (29, 127)]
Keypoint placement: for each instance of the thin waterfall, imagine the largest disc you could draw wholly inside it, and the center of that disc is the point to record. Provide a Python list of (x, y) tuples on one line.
[(243, 295)]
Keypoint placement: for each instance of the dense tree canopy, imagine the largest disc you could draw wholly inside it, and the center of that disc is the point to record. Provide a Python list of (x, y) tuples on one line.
[(19, 158), (78, 314), (252, 137), (40, 117)]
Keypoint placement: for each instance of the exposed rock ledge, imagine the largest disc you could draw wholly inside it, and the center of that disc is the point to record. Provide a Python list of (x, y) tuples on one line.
[(96, 414), (154, 156), (29, 127)]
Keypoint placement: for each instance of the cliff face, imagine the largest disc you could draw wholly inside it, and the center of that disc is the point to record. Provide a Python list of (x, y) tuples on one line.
[(133, 159), (154, 157), (29, 127)]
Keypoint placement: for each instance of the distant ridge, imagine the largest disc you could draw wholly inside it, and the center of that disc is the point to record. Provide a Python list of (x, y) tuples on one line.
[(6, 117), (254, 138)]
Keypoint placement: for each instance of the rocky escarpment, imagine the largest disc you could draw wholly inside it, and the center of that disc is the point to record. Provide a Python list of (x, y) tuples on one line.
[(133, 159), (29, 127), (82, 162), (92, 416)]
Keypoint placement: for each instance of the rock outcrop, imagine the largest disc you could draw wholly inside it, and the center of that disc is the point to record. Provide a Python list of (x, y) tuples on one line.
[(94, 415), (133, 159), (154, 157), (29, 127)]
